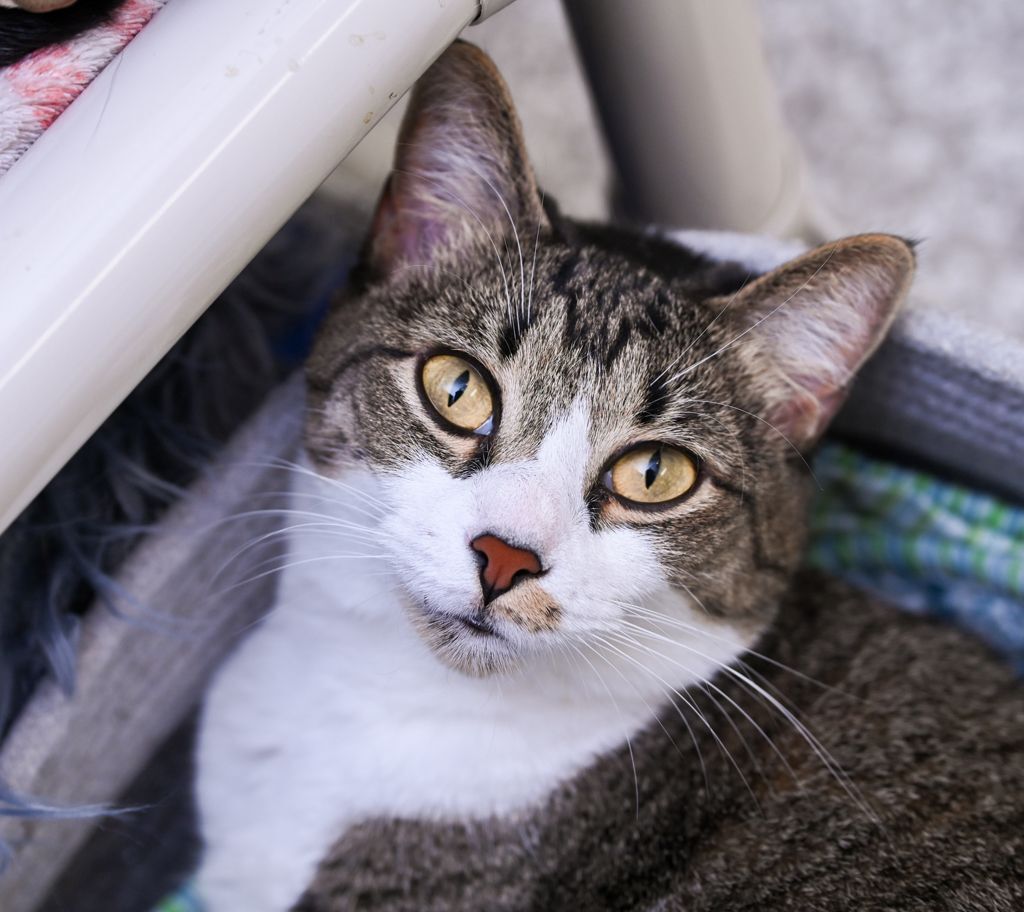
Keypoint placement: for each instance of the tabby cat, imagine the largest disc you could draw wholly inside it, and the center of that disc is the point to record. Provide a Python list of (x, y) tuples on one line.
[(543, 640)]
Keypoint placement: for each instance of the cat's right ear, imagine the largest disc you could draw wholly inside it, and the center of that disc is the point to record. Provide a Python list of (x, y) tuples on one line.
[(807, 327), (461, 176)]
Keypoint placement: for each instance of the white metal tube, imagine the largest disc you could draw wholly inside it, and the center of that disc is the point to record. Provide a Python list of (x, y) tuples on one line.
[(489, 7), (156, 187)]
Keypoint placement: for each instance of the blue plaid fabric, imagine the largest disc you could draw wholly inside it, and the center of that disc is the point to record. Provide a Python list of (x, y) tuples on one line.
[(185, 900), (929, 546)]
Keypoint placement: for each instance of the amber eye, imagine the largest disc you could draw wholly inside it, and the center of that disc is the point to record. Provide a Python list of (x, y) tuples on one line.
[(459, 393), (652, 473)]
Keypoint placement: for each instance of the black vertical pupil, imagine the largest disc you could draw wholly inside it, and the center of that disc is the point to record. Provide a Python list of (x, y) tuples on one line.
[(653, 468), (457, 388)]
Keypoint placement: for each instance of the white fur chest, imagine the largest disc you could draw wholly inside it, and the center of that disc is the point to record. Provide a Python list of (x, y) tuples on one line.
[(320, 721)]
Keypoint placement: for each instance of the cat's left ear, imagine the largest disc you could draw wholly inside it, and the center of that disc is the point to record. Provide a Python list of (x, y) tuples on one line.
[(461, 176), (809, 325)]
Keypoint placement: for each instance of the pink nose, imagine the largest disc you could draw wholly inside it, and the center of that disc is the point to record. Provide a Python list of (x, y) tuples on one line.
[(503, 565)]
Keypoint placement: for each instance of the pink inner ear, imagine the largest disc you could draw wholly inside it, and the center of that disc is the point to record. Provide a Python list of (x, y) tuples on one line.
[(817, 349), (815, 321), (405, 229), (804, 415)]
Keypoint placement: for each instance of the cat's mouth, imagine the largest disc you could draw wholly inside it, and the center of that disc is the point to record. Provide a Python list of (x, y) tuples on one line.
[(468, 643), (474, 625), (478, 625)]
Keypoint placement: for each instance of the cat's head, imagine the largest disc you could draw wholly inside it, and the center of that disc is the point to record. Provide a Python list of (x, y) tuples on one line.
[(575, 429)]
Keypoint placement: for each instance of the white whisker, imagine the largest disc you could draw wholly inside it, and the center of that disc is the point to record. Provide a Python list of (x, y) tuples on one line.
[(702, 333), (297, 563), (533, 267), (692, 628), (615, 703), (828, 761), (654, 714), (515, 233), (680, 374), (689, 702), (792, 445), (643, 631)]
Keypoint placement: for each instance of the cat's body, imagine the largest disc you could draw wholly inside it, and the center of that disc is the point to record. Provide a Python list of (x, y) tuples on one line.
[(925, 723), (553, 489), (445, 783)]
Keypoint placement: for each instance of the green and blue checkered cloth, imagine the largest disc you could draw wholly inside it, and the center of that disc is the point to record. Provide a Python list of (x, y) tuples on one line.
[(185, 900), (929, 546)]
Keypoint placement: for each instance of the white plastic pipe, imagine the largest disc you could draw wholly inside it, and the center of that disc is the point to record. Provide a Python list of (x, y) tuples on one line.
[(489, 7), (156, 187)]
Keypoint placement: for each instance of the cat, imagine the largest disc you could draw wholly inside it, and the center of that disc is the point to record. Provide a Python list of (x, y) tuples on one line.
[(543, 640)]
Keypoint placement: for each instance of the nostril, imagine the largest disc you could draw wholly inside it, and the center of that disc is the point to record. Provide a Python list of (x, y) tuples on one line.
[(481, 557), (502, 565)]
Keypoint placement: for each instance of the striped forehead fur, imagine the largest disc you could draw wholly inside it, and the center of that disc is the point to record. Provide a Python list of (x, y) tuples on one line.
[(605, 323)]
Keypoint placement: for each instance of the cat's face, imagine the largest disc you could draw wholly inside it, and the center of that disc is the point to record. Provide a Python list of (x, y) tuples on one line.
[(575, 431)]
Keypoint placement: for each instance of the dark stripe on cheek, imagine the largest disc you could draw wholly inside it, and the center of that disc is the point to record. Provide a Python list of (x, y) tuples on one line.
[(480, 459), (418, 439), (326, 384), (597, 497), (748, 503)]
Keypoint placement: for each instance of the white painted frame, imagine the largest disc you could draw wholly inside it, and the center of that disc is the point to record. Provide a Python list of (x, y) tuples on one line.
[(163, 179)]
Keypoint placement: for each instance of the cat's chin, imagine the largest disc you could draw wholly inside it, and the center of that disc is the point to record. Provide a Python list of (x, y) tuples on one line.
[(466, 645)]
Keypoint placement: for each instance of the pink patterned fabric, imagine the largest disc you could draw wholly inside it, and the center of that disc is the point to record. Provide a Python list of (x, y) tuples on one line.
[(34, 91)]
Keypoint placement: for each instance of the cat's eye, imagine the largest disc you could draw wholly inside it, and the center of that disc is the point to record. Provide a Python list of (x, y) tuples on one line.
[(652, 474), (460, 394)]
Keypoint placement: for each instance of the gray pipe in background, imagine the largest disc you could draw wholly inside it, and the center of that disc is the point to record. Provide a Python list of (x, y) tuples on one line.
[(691, 115)]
